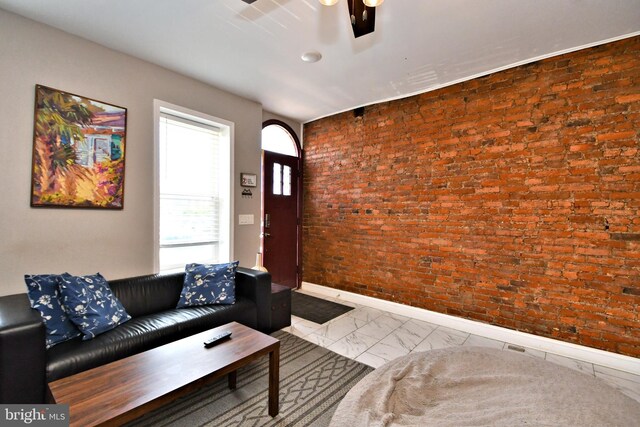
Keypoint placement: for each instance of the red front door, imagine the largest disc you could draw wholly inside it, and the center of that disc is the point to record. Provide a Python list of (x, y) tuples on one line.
[(281, 216)]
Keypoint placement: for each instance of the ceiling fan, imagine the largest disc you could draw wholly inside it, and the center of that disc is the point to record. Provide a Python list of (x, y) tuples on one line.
[(362, 14)]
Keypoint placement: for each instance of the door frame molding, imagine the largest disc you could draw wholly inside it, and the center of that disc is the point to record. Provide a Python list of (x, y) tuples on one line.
[(299, 200)]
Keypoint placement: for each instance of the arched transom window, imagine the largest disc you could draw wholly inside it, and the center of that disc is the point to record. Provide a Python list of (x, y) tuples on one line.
[(277, 139)]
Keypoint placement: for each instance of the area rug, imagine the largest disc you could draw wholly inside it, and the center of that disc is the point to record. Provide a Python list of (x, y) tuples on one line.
[(316, 309), (313, 380), (475, 386)]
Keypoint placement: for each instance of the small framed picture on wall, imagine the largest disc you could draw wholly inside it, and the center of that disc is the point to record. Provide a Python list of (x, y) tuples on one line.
[(248, 179)]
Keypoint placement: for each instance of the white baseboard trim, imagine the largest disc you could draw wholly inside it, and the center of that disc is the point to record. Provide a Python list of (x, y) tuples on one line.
[(574, 351)]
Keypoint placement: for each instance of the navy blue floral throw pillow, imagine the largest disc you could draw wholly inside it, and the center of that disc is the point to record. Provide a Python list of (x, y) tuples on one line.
[(206, 284), (44, 296), (91, 305)]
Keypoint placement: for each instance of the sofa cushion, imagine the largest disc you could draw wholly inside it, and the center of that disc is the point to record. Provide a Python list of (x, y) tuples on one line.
[(206, 284), (92, 306), (44, 296), (201, 318), (148, 294), (143, 333), (136, 335)]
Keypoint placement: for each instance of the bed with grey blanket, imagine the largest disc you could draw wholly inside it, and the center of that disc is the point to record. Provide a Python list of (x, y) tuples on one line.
[(474, 386)]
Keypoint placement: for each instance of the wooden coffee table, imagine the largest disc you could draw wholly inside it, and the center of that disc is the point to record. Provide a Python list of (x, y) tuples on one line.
[(123, 390)]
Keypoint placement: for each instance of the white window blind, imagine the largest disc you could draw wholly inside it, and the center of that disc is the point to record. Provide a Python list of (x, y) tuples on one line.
[(194, 191)]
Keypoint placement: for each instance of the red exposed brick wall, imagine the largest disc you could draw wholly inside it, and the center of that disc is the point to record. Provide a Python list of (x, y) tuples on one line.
[(512, 199)]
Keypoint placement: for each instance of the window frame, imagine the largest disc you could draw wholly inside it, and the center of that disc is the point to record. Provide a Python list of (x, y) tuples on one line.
[(227, 131)]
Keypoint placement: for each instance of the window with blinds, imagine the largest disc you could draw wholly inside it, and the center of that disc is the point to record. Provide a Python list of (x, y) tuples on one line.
[(194, 190)]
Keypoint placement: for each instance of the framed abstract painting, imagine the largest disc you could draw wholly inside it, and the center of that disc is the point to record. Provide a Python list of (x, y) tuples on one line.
[(78, 151)]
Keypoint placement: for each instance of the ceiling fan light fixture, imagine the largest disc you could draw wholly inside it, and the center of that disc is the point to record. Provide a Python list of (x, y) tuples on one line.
[(328, 2), (372, 3)]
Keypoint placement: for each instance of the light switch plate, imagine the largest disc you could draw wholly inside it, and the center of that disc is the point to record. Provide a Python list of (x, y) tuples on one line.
[(245, 219)]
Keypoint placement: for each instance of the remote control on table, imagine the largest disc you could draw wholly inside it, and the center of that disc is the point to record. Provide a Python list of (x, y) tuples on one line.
[(217, 339)]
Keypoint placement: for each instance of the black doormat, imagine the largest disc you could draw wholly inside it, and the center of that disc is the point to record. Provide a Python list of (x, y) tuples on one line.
[(315, 309)]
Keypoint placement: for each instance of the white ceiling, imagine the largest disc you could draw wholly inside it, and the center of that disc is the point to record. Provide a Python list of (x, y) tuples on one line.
[(254, 50)]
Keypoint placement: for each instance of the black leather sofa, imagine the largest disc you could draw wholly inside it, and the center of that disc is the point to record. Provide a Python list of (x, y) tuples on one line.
[(26, 366)]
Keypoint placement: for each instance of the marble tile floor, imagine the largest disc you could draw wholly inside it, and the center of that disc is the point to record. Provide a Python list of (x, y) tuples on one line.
[(374, 337)]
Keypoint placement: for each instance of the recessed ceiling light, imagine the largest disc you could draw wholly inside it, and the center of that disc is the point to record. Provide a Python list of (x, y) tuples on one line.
[(311, 57)]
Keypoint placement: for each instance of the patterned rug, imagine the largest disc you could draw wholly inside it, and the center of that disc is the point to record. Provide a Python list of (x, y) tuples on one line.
[(316, 309), (313, 381)]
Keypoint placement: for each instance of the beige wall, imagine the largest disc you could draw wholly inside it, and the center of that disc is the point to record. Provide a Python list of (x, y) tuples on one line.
[(115, 243)]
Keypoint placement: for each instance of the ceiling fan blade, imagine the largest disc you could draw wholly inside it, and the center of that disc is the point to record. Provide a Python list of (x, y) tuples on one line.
[(365, 23)]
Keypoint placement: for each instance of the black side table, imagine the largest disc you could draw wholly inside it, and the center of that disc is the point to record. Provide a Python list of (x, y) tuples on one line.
[(280, 306)]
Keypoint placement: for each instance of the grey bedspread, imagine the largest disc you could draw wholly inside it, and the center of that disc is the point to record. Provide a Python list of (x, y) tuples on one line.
[(474, 386)]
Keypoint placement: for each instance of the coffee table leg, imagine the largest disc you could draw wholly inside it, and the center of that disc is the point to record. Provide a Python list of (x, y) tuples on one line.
[(274, 381), (233, 376)]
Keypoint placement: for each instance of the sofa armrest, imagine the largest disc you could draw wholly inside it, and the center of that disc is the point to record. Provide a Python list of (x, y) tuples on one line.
[(22, 352), (256, 285)]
